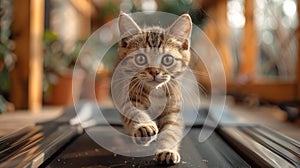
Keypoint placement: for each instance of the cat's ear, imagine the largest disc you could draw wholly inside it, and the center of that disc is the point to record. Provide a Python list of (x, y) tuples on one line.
[(181, 27), (127, 25)]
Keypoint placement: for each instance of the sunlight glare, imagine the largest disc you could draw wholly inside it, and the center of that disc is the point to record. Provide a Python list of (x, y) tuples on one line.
[(235, 14), (289, 8)]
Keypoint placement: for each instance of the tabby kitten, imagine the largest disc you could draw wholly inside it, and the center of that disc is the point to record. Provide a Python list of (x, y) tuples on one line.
[(158, 56)]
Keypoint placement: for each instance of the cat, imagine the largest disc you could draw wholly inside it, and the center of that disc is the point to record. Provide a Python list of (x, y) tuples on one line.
[(159, 57)]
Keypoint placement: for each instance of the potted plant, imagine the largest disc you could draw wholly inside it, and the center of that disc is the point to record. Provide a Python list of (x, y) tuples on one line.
[(7, 57), (99, 73), (7, 61), (58, 71)]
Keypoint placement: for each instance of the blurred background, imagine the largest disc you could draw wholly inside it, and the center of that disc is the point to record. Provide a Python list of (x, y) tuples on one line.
[(40, 41)]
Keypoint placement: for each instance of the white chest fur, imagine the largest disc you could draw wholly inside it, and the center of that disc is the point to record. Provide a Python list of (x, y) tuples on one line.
[(158, 101)]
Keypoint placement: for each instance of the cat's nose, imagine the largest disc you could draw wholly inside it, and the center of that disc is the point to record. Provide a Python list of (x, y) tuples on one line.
[(153, 71)]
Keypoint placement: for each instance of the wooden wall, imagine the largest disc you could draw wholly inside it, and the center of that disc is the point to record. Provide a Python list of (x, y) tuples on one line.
[(20, 34), (27, 32)]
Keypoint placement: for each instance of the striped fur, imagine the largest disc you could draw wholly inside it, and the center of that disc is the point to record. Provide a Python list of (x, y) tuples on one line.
[(158, 56)]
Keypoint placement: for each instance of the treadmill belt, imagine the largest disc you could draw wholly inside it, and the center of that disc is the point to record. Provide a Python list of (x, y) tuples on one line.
[(57, 143), (84, 152)]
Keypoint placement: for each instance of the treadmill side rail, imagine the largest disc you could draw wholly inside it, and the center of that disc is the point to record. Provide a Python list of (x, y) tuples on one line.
[(262, 147), (31, 146)]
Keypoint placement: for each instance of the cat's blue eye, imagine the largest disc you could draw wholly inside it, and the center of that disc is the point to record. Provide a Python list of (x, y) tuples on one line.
[(140, 59), (167, 60)]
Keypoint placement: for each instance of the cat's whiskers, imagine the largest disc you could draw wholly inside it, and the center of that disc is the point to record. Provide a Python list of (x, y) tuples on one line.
[(189, 97), (133, 86), (178, 96), (167, 89), (141, 86), (137, 90), (200, 73), (202, 89), (127, 84), (162, 83)]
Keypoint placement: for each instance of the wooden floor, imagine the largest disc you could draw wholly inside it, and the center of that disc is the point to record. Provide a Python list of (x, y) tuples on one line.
[(269, 116), (13, 121)]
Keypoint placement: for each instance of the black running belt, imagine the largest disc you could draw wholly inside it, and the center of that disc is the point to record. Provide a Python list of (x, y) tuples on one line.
[(84, 152)]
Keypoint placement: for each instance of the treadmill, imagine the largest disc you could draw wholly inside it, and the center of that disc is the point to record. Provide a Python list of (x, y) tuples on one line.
[(65, 142)]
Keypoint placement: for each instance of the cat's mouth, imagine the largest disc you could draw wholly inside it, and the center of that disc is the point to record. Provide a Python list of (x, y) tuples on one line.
[(153, 78), (157, 83)]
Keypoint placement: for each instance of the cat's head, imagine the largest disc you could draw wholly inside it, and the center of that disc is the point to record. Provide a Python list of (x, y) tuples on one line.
[(157, 55)]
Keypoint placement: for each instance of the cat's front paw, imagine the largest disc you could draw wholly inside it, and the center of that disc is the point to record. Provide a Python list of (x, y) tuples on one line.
[(167, 157), (145, 134)]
